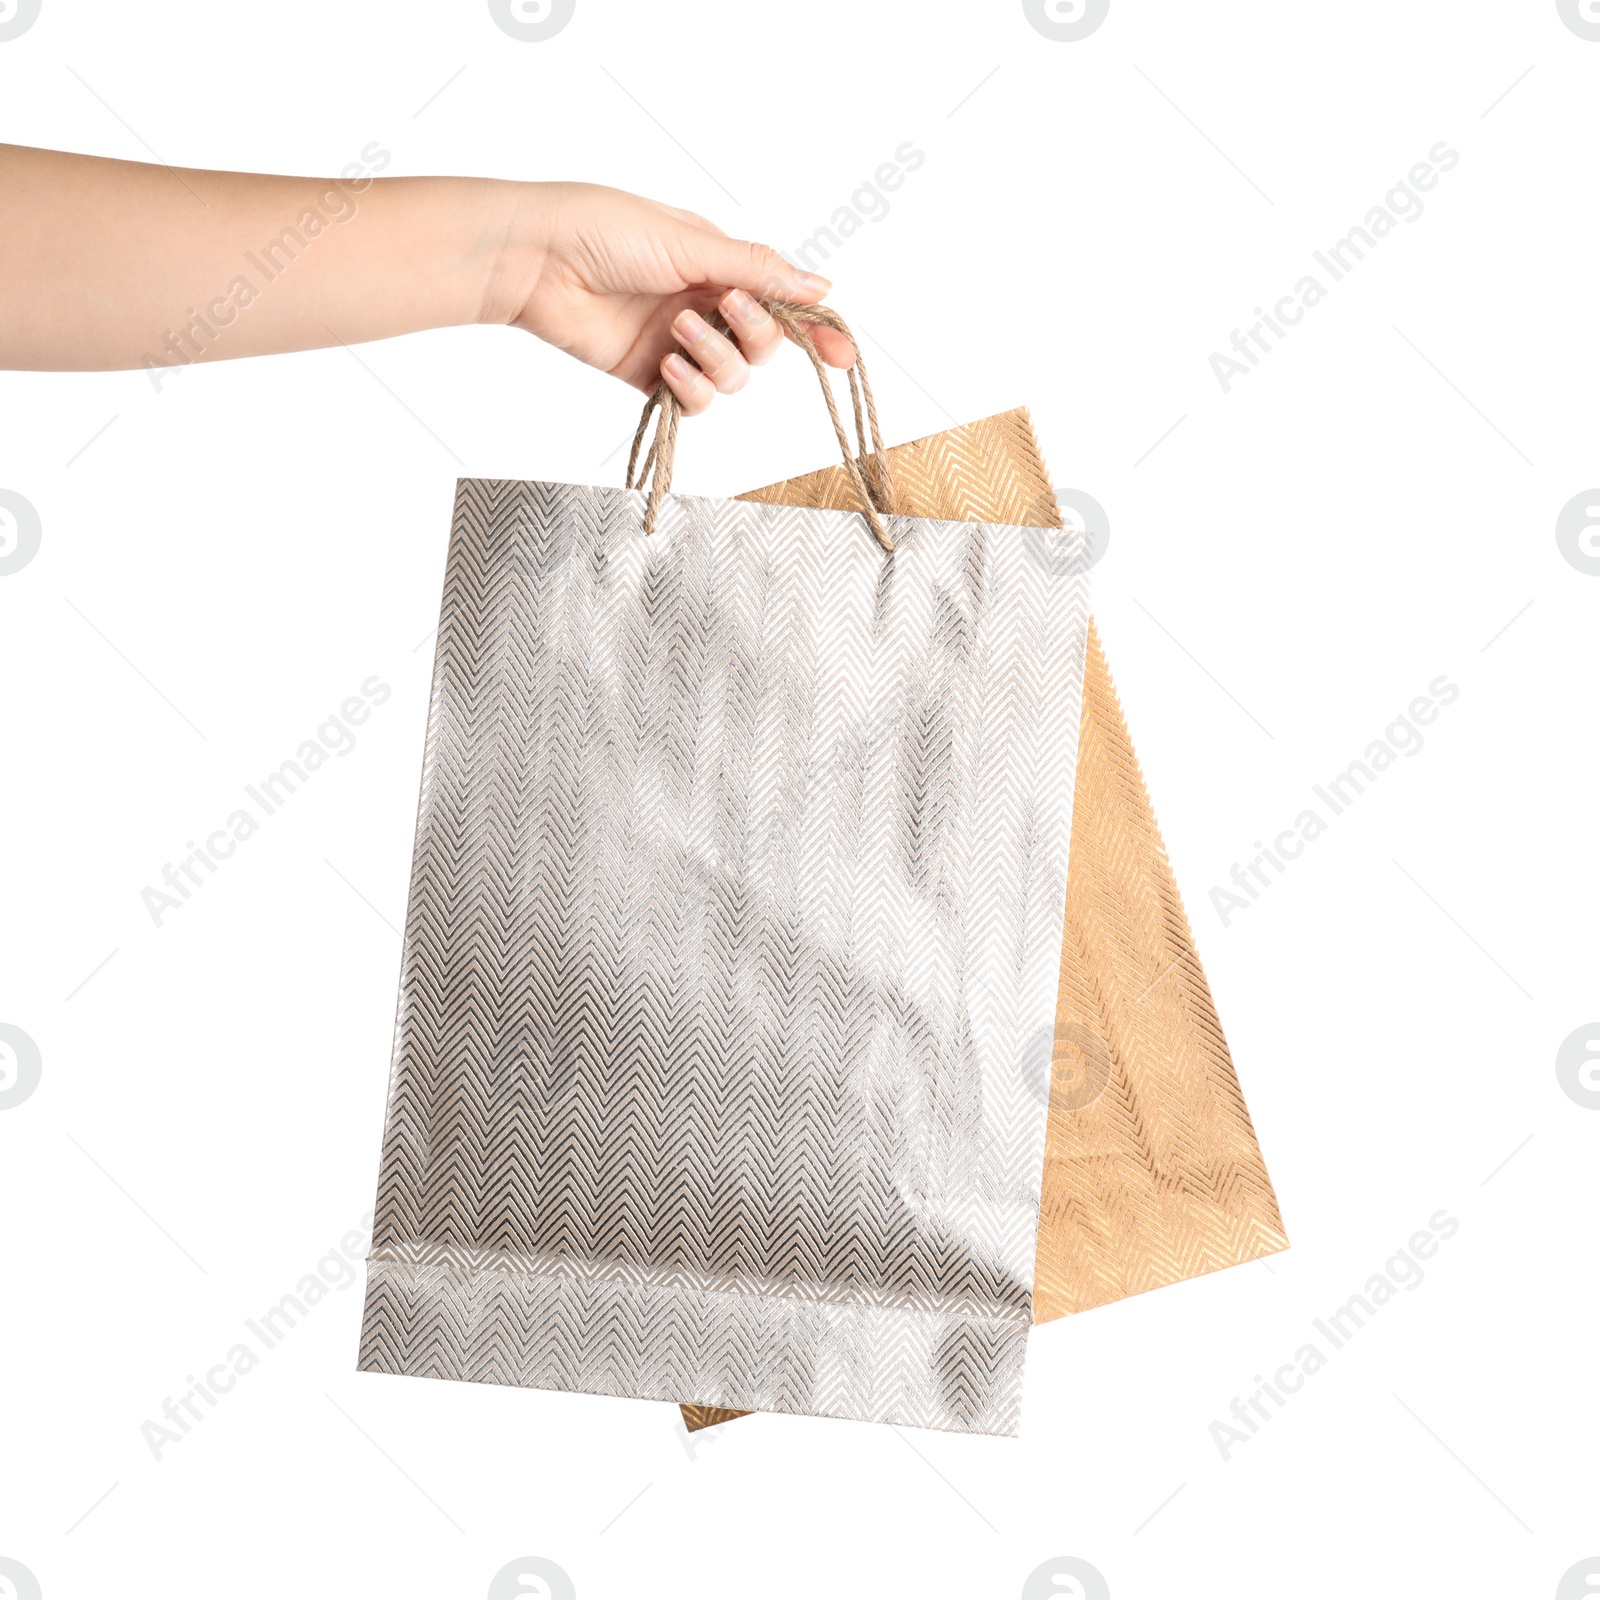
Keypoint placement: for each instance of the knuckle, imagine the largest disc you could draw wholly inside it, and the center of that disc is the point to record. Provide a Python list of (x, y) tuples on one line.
[(768, 269)]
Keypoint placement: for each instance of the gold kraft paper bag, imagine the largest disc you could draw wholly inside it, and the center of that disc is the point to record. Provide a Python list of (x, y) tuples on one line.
[(1152, 1173)]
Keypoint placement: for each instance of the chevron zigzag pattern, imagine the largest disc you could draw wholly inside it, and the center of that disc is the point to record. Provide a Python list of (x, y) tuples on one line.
[(736, 904), (1152, 1169)]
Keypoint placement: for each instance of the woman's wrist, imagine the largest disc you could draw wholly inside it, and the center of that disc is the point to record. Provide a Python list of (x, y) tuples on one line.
[(507, 239)]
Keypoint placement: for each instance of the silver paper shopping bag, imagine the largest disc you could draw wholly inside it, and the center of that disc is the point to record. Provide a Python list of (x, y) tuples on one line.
[(735, 922)]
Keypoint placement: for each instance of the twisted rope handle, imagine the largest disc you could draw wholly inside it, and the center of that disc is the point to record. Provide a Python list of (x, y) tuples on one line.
[(868, 469)]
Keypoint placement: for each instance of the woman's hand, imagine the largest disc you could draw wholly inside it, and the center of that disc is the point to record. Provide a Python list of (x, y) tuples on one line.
[(624, 284), (107, 264)]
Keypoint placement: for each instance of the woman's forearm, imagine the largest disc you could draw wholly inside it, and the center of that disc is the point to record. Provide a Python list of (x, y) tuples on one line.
[(110, 264)]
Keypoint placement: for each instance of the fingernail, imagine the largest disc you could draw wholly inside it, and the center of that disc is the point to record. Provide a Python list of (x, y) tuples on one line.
[(691, 326), (682, 371), (811, 280), (742, 307)]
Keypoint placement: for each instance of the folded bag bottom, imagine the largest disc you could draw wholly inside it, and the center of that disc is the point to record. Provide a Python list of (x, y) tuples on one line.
[(880, 1363)]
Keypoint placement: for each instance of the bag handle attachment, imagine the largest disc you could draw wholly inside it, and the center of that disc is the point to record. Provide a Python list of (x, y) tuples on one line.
[(868, 470)]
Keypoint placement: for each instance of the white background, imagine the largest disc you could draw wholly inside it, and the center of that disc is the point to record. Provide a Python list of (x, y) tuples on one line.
[(1373, 506)]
